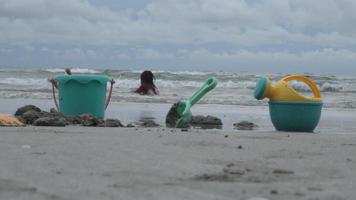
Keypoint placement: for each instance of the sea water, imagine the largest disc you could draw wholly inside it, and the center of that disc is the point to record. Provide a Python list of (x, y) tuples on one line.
[(232, 100)]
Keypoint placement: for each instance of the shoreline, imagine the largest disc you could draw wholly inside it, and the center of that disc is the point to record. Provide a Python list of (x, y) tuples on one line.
[(161, 163), (333, 120)]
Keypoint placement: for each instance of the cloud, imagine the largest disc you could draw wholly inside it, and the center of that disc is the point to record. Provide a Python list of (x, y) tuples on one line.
[(272, 22), (250, 30)]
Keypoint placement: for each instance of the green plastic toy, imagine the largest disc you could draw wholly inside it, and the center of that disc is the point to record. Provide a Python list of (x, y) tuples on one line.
[(180, 115)]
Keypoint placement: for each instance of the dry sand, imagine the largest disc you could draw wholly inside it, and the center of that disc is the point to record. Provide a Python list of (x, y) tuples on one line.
[(122, 163)]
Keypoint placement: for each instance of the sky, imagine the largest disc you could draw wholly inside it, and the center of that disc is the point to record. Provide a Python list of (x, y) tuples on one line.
[(287, 36)]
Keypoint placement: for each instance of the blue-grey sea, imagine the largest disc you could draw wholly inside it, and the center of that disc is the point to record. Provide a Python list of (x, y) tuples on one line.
[(232, 100)]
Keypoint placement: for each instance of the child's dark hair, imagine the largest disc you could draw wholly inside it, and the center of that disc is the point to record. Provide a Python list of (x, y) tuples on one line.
[(147, 77)]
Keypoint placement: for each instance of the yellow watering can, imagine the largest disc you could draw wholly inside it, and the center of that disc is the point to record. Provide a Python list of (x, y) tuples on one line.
[(289, 110), (282, 91)]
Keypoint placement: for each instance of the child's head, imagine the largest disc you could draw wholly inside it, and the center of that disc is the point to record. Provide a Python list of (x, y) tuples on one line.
[(147, 77)]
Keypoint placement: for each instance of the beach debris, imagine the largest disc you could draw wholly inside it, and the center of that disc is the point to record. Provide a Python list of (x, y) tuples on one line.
[(206, 120), (9, 120), (131, 125), (20, 111), (245, 125), (112, 123), (50, 121), (75, 120), (89, 120), (147, 123), (33, 115), (30, 116), (273, 191)]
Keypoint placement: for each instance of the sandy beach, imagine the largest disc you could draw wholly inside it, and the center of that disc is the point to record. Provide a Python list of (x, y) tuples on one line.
[(160, 163)]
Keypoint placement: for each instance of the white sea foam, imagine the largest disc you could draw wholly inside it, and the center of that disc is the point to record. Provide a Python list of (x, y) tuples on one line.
[(74, 70), (329, 87), (36, 82), (130, 83)]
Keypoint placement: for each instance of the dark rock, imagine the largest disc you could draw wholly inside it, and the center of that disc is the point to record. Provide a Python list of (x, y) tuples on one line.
[(20, 111), (50, 121), (282, 171), (30, 116), (207, 120), (131, 125), (274, 191), (113, 123), (245, 125), (148, 123), (89, 120), (53, 110), (74, 119)]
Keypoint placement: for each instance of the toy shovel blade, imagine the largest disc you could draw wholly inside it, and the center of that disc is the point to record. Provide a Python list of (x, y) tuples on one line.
[(180, 115)]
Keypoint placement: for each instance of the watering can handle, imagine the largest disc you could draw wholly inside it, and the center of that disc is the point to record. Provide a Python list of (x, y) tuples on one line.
[(54, 86), (112, 82), (306, 80), (205, 88)]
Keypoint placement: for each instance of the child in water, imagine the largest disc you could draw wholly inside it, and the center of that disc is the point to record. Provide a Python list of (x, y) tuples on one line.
[(147, 86)]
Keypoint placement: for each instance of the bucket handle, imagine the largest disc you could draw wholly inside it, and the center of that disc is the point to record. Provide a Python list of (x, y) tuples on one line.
[(112, 82), (54, 86), (306, 80)]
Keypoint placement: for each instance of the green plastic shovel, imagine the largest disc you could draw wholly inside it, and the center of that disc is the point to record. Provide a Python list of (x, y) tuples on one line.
[(180, 115)]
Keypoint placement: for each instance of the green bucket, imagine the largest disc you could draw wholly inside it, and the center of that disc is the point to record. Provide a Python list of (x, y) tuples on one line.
[(297, 116), (80, 94)]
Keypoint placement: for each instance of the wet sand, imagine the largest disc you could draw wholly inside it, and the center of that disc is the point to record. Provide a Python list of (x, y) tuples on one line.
[(333, 120), (160, 163)]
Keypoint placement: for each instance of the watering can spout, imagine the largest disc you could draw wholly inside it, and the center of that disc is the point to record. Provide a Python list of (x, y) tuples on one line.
[(263, 89)]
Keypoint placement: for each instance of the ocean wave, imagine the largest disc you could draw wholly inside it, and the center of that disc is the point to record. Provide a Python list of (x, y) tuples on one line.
[(330, 87), (325, 87), (74, 70), (130, 83), (37, 82)]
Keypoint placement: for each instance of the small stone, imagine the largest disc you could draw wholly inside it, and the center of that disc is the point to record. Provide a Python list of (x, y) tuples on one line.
[(147, 123), (240, 147), (282, 171), (53, 110), (226, 136), (206, 120), (274, 191), (245, 125), (89, 120), (113, 123), (232, 171), (131, 125), (184, 129)]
